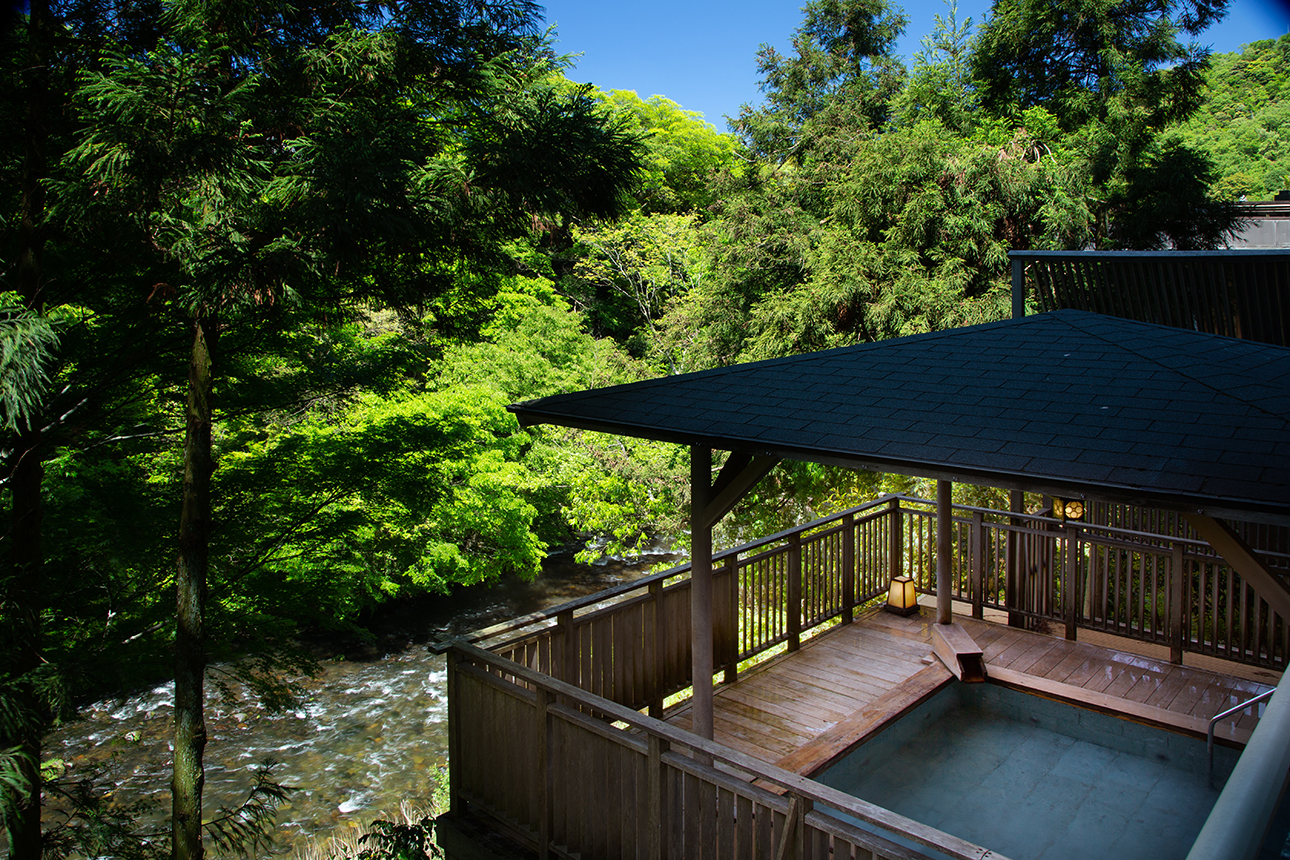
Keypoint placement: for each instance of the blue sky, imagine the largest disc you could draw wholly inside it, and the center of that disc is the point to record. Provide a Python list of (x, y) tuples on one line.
[(702, 53)]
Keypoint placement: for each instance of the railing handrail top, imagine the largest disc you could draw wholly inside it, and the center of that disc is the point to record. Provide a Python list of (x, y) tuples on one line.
[(1105, 255), (1118, 530), (882, 501), (646, 581), (952, 846)]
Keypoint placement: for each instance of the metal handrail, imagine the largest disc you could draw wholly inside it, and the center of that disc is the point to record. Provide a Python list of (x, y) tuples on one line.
[(1209, 742)]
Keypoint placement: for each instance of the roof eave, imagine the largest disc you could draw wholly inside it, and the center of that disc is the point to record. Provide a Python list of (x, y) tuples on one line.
[(1241, 509)]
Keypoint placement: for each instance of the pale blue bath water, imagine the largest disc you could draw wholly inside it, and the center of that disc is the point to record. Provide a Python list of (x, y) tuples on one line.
[(1036, 779)]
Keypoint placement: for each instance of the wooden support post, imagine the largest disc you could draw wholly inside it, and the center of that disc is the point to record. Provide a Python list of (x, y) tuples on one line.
[(657, 800), (895, 539), (545, 781), (1069, 591), (1177, 604), (794, 607), (944, 550), (455, 761), (1013, 571), (655, 650), (568, 671), (1018, 288), (730, 642), (701, 664), (848, 567), (977, 552)]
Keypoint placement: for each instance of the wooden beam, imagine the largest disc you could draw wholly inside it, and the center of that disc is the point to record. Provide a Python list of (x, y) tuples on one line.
[(709, 502), (944, 547), (959, 652), (1244, 560), (739, 475), (701, 589)]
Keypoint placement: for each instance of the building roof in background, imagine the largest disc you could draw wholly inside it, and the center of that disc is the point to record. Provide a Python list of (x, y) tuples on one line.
[(1069, 403)]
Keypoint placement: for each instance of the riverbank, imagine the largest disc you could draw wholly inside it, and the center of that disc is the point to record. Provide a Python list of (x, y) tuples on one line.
[(370, 737)]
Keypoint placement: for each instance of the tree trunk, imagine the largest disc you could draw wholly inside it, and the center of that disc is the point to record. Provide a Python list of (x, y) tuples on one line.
[(190, 578), (27, 475), (25, 549)]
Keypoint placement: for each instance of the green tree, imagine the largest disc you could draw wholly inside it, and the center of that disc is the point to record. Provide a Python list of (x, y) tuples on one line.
[(1114, 75), (682, 153), (1243, 123), (940, 84), (264, 156), (635, 270), (842, 56)]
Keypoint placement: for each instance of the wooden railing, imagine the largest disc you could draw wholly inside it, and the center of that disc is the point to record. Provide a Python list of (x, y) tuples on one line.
[(1168, 589), (1244, 293), (549, 743), (631, 644), (527, 757)]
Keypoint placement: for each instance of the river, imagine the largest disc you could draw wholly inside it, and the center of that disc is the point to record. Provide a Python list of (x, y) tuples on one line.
[(370, 736)]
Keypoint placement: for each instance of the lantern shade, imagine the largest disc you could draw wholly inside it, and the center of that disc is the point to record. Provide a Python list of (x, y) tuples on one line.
[(902, 598)]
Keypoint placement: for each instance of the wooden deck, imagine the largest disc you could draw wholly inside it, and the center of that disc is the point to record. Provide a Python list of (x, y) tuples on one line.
[(805, 709)]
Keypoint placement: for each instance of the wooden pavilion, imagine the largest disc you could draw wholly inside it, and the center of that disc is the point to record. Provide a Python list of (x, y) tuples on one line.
[(1071, 404)]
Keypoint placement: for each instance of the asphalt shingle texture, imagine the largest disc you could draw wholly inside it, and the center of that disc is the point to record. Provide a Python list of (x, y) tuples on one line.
[(1067, 398)]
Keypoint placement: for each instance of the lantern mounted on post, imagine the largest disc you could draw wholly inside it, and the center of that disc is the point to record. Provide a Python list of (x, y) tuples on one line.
[(1071, 509), (902, 597)]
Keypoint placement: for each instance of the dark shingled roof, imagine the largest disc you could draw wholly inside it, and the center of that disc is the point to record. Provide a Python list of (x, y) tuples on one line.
[(1069, 403)]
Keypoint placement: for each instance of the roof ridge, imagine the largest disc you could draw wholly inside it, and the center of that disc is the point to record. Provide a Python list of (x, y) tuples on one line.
[(1253, 347)]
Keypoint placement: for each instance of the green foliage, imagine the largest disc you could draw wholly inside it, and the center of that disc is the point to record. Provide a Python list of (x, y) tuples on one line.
[(682, 152), (630, 276), (880, 236), (940, 85), (249, 826), (533, 345), (1243, 124), (1114, 77), (389, 840), (842, 54), (623, 492), (27, 344), (448, 505), (1078, 57)]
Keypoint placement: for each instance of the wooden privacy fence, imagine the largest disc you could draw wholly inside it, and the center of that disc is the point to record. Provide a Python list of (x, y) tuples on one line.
[(631, 644), (1170, 589), (1243, 294), (528, 758)]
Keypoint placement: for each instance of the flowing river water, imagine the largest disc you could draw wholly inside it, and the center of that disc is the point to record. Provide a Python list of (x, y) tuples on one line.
[(371, 735)]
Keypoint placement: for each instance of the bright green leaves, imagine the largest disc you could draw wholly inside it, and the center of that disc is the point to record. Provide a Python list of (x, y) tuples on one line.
[(682, 152), (534, 346), (630, 276), (393, 496), (623, 492), (1244, 122)]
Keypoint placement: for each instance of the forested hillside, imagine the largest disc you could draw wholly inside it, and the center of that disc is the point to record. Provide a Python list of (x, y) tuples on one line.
[(1244, 121), (272, 273)]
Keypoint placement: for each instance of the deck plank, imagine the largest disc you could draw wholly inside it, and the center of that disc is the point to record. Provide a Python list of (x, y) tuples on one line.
[(839, 740), (804, 708)]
